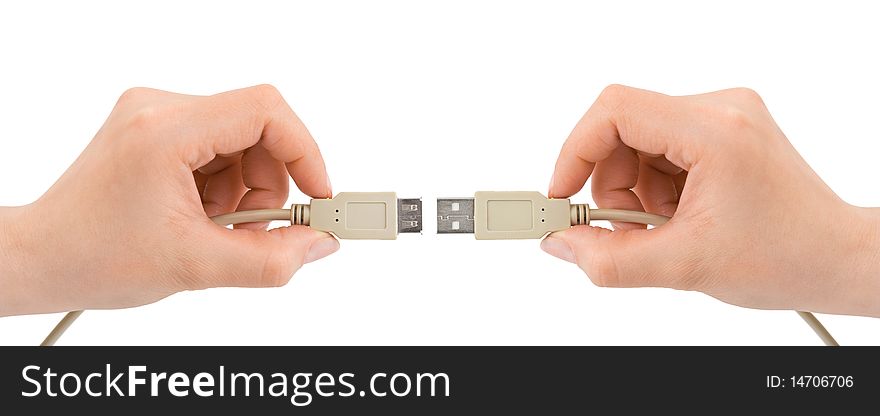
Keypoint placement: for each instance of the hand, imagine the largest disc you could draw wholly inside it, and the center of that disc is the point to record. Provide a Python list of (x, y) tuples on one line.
[(751, 223), (128, 223)]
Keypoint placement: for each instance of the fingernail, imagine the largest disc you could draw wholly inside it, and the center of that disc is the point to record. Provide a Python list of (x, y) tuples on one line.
[(321, 248), (552, 182), (557, 247)]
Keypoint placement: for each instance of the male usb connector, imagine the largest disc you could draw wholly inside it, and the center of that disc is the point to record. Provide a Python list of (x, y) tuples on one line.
[(455, 216), (523, 215), (503, 215)]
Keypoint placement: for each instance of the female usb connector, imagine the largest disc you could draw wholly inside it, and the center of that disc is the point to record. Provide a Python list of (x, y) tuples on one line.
[(366, 215), (348, 215)]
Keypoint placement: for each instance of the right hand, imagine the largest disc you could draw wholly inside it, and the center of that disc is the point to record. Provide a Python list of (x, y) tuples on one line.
[(752, 224)]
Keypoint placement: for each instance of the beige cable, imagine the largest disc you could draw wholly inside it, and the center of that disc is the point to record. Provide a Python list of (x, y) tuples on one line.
[(623, 215), (257, 215), (818, 328), (59, 329)]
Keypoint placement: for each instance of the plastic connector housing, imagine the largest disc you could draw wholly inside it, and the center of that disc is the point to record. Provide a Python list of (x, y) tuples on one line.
[(518, 215), (365, 215), (493, 215)]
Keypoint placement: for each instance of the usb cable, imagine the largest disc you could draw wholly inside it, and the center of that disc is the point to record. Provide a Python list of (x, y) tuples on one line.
[(488, 215), (530, 215), (349, 215)]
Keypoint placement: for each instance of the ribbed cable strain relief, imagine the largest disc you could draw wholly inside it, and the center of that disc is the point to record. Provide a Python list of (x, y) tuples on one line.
[(580, 214), (299, 214)]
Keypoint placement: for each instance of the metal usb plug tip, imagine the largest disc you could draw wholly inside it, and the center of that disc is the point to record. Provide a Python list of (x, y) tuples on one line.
[(455, 216), (409, 215)]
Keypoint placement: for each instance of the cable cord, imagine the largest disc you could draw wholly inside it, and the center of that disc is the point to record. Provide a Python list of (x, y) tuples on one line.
[(257, 215), (818, 328), (59, 329), (599, 214), (623, 215)]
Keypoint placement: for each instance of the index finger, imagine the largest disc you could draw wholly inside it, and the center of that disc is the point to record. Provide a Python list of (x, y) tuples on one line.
[(647, 121), (233, 121)]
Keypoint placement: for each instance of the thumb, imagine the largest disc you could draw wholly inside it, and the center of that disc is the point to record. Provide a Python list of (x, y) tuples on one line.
[(256, 258), (623, 258)]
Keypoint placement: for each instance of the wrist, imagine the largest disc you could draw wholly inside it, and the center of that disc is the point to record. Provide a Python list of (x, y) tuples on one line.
[(859, 271)]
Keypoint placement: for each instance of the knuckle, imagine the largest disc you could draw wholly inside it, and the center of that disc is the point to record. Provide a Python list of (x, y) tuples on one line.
[(612, 95), (614, 90), (144, 118), (747, 95), (132, 95), (267, 89), (139, 113), (267, 96), (734, 118)]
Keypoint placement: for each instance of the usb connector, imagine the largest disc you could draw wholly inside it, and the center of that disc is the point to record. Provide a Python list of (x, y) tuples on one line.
[(518, 215), (366, 215), (409, 215), (455, 215), (348, 215), (503, 215)]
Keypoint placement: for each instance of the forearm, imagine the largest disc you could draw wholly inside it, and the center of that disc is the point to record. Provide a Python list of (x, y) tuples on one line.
[(13, 291), (36, 267)]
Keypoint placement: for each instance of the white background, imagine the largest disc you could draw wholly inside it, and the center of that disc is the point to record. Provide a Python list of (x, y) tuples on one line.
[(438, 100)]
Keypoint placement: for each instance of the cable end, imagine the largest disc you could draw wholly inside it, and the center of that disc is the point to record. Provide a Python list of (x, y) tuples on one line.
[(409, 215), (455, 216)]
